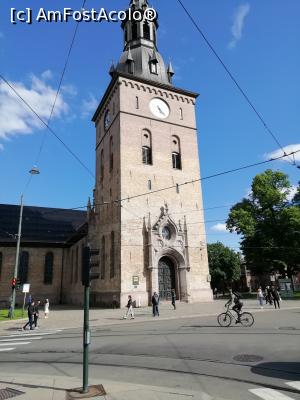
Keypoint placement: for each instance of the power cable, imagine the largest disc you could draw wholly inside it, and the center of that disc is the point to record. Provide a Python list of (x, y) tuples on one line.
[(59, 86), (47, 126), (242, 91)]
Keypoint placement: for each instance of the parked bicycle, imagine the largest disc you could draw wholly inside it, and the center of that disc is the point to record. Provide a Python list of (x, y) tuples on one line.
[(225, 319)]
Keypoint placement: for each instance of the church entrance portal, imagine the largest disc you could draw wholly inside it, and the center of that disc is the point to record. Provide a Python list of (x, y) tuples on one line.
[(166, 277)]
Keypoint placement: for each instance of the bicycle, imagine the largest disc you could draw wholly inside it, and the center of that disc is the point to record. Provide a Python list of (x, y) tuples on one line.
[(225, 319)]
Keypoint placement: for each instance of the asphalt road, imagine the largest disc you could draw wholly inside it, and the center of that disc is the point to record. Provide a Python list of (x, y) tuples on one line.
[(193, 354)]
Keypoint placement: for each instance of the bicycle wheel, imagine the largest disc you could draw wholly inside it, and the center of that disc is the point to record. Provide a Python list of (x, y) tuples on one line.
[(247, 319), (224, 319)]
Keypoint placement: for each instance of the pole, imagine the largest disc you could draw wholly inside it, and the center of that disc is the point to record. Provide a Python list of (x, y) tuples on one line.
[(24, 301), (13, 300), (86, 340)]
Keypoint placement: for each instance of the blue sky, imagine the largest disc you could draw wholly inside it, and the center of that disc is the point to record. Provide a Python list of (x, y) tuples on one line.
[(258, 41)]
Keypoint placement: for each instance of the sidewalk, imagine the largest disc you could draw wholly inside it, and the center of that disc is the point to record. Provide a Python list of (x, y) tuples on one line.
[(54, 388), (64, 317)]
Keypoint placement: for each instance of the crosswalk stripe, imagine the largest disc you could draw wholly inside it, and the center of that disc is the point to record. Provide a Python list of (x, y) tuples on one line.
[(30, 333), (19, 339), (8, 349), (14, 343), (295, 384), (269, 394)]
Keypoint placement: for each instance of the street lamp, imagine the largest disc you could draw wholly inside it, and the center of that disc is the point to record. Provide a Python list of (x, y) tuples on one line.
[(34, 171)]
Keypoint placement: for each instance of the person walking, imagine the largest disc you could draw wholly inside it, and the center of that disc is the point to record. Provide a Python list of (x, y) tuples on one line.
[(269, 298), (46, 308), (30, 311), (275, 296), (215, 293), (173, 296), (36, 314), (155, 303), (260, 297), (129, 308)]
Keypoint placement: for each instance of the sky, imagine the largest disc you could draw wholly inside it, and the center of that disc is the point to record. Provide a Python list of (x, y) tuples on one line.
[(257, 40)]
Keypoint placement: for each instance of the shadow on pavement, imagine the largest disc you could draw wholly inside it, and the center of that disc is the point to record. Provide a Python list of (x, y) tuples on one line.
[(281, 370)]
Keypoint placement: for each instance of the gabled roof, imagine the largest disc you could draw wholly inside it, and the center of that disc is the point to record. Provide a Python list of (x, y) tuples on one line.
[(40, 225)]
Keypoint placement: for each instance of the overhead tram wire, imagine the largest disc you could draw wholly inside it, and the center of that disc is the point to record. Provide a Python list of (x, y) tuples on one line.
[(59, 85), (48, 127), (242, 91), (117, 202)]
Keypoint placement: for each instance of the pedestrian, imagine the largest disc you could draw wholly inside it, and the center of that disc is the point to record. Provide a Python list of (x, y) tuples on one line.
[(29, 300), (36, 314), (173, 296), (155, 303), (215, 293), (129, 308), (30, 311), (46, 308), (276, 297), (260, 297), (269, 298)]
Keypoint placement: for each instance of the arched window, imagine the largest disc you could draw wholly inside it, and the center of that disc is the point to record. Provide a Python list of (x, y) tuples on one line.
[(154, 34), (102, 165), (102, 270), (1, 259), (76, 265), (134, 31), (48, 270), (146, 29), (23, 267), (176, 153), (125, 35), (181, 113), (146, 147), (112, 254), (111, 154)]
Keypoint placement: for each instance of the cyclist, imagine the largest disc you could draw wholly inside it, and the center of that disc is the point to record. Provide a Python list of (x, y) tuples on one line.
[(236, 299)]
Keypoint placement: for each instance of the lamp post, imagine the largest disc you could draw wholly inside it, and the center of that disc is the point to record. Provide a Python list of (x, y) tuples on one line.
[(33, 171)]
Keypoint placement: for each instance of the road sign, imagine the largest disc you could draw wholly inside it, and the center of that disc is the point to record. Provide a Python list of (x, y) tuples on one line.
[(26, 288)]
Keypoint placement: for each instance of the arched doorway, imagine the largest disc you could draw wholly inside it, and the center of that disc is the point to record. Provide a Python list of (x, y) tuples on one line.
[(166, 277)]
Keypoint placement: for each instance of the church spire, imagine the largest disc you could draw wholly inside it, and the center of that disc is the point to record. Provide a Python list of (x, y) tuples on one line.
[(140, 56)]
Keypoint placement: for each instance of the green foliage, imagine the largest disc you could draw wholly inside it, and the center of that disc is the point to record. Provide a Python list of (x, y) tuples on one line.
[(269, 224), (224, 264), (17, 314)]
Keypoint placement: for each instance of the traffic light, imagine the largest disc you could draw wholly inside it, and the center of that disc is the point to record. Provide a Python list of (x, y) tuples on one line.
[(87, 264), (13, 283)]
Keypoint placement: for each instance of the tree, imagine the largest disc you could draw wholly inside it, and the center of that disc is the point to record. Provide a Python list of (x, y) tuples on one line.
[(269, 224), (224, 265)]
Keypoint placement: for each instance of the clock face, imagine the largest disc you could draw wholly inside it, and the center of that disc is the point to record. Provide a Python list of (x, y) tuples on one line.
[(107, 119), (166, 233), (159, 108)]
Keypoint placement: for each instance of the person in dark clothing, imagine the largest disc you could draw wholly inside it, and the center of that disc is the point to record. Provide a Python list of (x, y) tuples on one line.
[(30, 311), (235, 298), (269, 297), (155, 303), (129, 308), (275, 296), (36, 313), (173, 296)]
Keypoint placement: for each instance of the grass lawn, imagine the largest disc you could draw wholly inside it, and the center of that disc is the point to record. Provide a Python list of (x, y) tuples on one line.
[(18, 314)]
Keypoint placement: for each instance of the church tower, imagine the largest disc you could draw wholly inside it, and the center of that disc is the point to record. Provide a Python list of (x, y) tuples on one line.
[(148, 226)]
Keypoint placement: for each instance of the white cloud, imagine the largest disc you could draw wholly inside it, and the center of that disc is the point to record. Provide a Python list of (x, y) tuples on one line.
[(15, 116), (238, 24), (288, 149), (89, 106), (219, 228), (47, 75), (292, 193)]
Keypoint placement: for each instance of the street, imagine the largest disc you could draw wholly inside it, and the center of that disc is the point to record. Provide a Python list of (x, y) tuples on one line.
[(185, 355)]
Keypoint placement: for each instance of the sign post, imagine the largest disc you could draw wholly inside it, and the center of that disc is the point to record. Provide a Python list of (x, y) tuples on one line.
[(26, 288)]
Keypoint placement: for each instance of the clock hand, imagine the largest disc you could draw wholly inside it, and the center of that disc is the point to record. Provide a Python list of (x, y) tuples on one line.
[(160, 110)]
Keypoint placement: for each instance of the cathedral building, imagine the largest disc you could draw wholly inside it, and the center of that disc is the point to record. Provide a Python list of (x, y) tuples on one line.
[(146, 217)]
